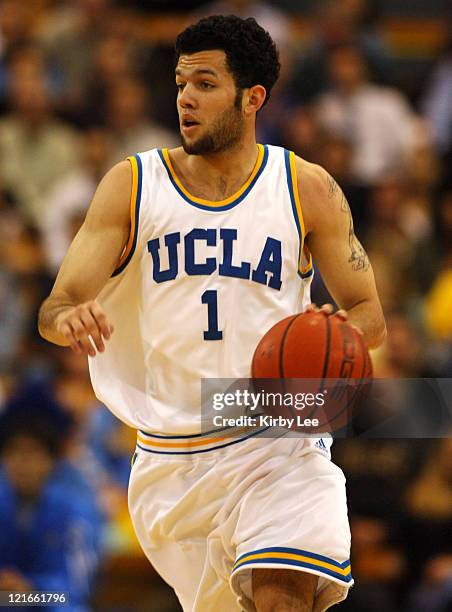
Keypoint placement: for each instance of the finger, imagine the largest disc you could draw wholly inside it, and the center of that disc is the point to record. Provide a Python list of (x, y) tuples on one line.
[(81, 336), (327, 309), (66, 330), (92, 329), (311, 308), (357, 329), (102, 322), (342, 314)]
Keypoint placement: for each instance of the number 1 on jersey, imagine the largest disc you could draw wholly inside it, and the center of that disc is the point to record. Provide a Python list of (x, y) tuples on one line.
[(210, 297)]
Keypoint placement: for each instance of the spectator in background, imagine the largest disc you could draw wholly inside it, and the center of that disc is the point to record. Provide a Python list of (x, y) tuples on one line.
[(101, 446), (22, 281), (69, 199), (36, 150), (127, 117), (15, 28), (13, 315), (28, 60), (377, 469), (302, 133), (270, 17), (403, 403), (434, 592), (376, 120), (49, 535), (403, 355), (336, 22), (113, 61), (426, 529), (336, 156), (417, 218), (438, 308), (438, 303), (70, 36), (378, 567), (391, 251), (400, 210), (437, 103)]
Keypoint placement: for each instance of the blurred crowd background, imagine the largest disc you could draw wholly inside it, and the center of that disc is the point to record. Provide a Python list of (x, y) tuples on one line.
[(365, 91)]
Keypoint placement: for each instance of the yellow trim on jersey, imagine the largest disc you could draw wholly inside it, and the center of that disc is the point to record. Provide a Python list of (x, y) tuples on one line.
[(232, 198), (133, 200), (304, 248), (293, 557)]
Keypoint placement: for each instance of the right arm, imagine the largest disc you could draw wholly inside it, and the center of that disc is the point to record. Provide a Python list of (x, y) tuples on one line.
[(70, 314)]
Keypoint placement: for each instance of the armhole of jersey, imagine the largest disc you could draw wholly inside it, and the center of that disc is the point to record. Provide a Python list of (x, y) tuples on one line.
[(305, 268), (135, 198)]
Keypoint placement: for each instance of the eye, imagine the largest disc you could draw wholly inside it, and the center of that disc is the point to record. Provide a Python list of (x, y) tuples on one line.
[(207, 85), (180, 86)]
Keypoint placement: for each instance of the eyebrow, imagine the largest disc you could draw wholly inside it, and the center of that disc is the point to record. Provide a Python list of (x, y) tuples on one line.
[(198, 71)]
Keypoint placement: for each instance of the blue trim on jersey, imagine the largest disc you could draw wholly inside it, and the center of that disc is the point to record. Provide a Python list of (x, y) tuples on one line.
[(292, 562), (294, 209), (307, 274), (137, 217), (204, 450), (216, 208), (295, 551), (242, 562), (200, 435)]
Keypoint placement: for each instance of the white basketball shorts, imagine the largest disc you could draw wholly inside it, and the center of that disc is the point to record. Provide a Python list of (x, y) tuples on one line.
[(207, 513)]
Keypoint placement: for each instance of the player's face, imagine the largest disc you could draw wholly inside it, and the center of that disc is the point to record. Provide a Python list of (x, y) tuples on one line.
[(210, 114)]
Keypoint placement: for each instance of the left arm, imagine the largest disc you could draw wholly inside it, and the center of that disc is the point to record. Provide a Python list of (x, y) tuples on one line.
[(338, 253)]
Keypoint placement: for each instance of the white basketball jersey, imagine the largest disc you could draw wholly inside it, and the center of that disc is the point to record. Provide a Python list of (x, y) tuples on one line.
[(197, 287)]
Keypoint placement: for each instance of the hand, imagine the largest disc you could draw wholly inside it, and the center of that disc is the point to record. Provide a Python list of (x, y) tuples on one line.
[(328, 309), (81, 323)]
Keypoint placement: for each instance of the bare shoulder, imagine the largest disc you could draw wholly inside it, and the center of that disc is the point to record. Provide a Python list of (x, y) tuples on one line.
[(317, 190), (111, 202), (118, 180)]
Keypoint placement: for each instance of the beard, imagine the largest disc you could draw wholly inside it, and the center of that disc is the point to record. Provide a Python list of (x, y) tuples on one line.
[(224, 134)]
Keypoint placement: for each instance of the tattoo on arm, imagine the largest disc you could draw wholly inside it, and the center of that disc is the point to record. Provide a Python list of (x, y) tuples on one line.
[(358, 256), (344, 205), (332, 186)]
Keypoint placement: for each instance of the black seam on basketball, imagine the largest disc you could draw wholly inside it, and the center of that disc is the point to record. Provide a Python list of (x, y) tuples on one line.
[(357, 388), (327, 352), (281, 352), (283, 340), (364, 353)]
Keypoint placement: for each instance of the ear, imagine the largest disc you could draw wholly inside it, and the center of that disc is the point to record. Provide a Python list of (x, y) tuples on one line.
[(254, 99)]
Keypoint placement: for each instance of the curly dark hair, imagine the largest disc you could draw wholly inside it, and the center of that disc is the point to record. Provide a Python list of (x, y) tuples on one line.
[(251, 54)]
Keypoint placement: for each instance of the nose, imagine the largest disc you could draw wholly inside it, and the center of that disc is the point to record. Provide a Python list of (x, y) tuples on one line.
[(187, 99)]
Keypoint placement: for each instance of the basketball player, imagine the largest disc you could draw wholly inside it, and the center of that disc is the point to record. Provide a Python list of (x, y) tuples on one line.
[(185, 259)]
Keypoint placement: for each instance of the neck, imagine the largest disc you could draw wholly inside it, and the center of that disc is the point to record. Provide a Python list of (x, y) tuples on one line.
[(227, 164), (222, 173)]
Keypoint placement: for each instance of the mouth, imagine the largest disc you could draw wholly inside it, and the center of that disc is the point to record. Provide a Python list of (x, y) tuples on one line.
[(188, 124)]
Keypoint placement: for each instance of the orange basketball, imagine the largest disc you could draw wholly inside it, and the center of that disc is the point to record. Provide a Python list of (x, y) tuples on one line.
[(318, 347)]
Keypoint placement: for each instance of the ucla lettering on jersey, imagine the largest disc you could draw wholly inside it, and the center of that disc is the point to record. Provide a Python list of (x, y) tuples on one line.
[(270, 261), (197, 286)]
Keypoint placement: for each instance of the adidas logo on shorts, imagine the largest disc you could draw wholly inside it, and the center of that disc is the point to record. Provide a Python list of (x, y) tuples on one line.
[(321, 444)]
